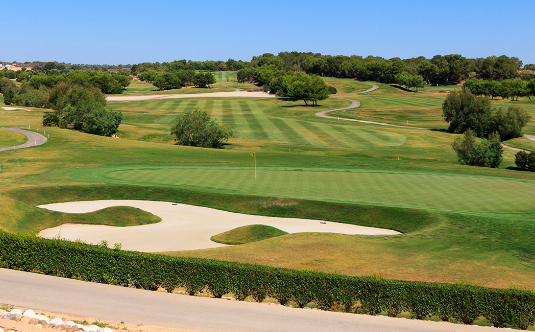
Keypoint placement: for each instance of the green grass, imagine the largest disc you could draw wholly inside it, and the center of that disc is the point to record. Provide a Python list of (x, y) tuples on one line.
[(392, 105), (225, 76), (247, 234), (459, 223), (407, 189), (521, 143), (11, 138)]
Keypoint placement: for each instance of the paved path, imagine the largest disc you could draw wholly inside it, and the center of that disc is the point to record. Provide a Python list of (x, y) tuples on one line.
[(183, 226), (33, 139), (530, 137), (115, 303)]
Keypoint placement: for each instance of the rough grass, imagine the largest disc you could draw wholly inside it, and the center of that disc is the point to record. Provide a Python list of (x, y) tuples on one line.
[(247, 234), (11, 138), (521, 143)]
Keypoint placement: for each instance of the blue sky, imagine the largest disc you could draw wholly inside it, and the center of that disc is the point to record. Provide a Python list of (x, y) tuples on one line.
[(127, 32)]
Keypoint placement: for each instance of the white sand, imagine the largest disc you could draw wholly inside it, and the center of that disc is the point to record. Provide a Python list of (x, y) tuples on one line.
[(193, 95), (183, 227), (9, 108)]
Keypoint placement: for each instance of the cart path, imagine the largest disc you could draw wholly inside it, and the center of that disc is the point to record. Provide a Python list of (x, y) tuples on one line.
[(136, 306), (34, 139), (531, 137), (355, 104)]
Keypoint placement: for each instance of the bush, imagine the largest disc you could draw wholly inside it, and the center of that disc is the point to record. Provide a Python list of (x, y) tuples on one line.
[(197, 129), (50, 120), (464, 111), (98, 263), (525, 161), (487, 153), (332, 90)]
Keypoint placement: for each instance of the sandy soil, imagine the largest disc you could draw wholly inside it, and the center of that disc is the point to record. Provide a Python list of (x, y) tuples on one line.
[(193, 95), (183, 227), (117, 326)]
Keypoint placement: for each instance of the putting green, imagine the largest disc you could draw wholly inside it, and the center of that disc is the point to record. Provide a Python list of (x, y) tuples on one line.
[(414, 189)]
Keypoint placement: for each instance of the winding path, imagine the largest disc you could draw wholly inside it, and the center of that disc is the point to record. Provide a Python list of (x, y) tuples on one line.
[(355, 104), (34, 139), (531, 137)]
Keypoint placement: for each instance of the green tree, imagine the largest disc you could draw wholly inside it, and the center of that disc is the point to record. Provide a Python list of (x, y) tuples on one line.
[(486, 153), (525, 161), (309, 88), (463, 110), (508, 124), (203, 79), (197, 129)]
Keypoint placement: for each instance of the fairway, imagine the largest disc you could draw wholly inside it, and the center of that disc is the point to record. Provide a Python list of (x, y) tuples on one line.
[(410, 189), (261, 120)]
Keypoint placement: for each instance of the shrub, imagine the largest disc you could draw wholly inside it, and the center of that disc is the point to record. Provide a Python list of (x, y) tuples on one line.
[(197, 129), (525, 161), (50, 120), (98, 263), (332, 90), (486, 153)]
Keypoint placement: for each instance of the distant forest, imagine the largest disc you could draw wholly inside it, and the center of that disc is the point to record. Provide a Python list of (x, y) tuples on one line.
[(441, 69)]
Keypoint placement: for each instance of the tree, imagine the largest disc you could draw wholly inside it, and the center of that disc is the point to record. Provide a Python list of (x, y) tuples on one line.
[(486, 153), (525, 161), (531, 88), (463, 110), (305, 87), (508, 124), (202, 79), (167, 81), (197, 129)]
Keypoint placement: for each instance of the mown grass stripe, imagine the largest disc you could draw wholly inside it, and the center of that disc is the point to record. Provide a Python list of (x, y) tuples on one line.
[(291, 135), (350, 135), (209, 106), (252, 121), (326, 137), (228, 116)]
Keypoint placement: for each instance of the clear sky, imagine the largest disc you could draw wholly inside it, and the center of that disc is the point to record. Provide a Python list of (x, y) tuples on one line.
[(128, 32)]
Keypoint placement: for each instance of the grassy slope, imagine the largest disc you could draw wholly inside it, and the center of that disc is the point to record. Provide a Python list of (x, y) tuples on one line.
[(247, 234), (11, 138), (488, 248)]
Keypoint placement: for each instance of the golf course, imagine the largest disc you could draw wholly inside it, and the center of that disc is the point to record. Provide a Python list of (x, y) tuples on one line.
[(451, 222)]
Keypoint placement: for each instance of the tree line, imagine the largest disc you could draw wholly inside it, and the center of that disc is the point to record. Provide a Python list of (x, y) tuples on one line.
[(294, 85), (177, 79), (511, 88), (475, 117), (77, 104)]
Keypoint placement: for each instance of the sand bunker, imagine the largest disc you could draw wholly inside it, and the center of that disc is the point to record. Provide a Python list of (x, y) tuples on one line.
[(183, 227), (193, 95), (8, 108)]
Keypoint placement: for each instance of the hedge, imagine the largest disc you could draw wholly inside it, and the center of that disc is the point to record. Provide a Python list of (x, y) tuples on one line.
[(371, 295)]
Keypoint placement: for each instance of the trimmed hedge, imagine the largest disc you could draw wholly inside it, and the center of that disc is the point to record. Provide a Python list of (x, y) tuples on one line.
[(371, 295)]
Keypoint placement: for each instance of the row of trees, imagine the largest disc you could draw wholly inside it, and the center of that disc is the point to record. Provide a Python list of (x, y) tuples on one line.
[(465, 111), (230, 64), (512, 88), (177, 79), (296, 86), (110, 83), (81, 106), (410, 81)]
